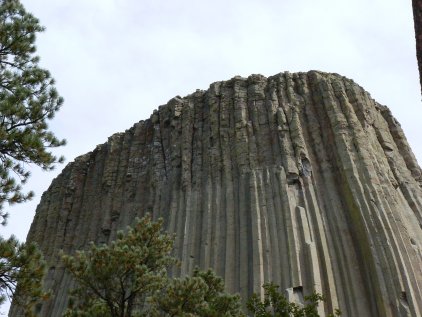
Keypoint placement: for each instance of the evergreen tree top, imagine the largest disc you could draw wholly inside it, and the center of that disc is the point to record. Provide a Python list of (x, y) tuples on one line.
[(28, 99)]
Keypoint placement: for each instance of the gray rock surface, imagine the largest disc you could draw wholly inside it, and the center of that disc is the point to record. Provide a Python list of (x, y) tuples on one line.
[(300, 178)]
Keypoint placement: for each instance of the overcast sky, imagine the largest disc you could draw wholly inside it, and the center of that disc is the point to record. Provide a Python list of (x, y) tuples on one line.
[(115, 61)]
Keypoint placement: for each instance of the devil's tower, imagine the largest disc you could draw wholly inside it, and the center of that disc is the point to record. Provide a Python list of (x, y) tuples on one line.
[(301, 179)]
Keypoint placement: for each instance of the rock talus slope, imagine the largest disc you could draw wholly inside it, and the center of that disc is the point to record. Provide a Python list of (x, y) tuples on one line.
[(300, 178)]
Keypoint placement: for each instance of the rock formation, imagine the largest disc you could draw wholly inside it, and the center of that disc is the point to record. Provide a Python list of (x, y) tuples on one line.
[(301, 179)]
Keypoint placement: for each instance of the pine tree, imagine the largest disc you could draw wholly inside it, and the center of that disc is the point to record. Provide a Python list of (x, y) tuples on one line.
[(115, 279), (21, 263), (201, 294), (275, 304), (28, 99), (129, 278)]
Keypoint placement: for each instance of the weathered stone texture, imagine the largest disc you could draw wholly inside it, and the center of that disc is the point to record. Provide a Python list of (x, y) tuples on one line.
[(301, 179)]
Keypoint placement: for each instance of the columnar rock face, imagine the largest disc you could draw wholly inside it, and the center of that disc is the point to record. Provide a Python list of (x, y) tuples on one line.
[(301, 179)]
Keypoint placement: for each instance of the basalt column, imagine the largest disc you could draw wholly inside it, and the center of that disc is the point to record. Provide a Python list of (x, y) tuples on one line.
[(301, 179)]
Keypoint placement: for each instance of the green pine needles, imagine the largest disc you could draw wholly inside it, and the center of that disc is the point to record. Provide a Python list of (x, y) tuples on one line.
[(28, 99), (275, 304), (128, 277), (114, 278), (22, 269), (201, 294)]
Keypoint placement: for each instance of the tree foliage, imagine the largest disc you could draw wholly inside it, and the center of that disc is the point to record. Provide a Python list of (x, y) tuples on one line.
[(276, 304), (199, 295), (118, 277), (28, 99), (128, 278), (21, 263)]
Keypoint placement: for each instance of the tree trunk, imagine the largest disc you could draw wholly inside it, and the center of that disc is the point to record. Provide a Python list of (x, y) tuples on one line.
[(417, 17)]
